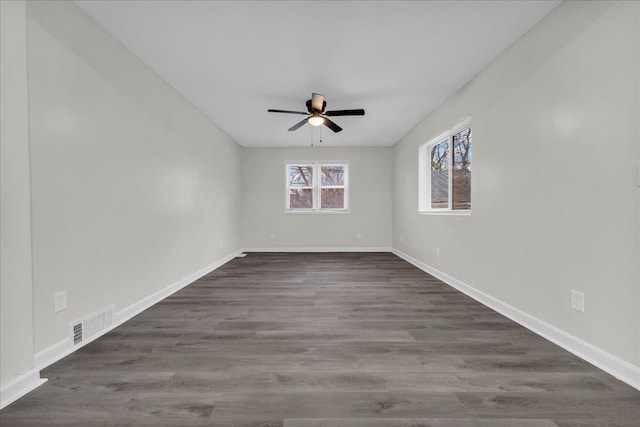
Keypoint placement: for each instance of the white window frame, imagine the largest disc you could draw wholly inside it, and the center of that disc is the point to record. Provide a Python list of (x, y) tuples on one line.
[(424, 173), (317, 188)]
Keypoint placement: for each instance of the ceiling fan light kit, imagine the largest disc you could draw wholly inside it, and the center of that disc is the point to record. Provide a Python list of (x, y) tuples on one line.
[(317, 116), (316, 120)]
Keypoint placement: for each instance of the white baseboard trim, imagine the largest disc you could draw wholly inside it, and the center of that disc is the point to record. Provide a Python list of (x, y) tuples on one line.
[(320, 249), (129, 312), (621, 369), (65, 347), (17, 387)]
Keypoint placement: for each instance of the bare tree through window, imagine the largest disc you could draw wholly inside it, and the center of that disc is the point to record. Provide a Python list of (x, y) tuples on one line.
[(301, 187), (317, 186), (461, 171), (445, 171), (332, 187), (440, 175)]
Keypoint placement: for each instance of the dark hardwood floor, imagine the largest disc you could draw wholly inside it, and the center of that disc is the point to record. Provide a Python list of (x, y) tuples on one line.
[(310, 340)]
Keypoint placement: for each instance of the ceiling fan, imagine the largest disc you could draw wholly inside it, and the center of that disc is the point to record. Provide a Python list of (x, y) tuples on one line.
[(316, 115)]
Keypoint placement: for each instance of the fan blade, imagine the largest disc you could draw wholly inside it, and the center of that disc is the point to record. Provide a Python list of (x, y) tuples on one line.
[(297, 125), (334, 127), (317, 101), (287, 111), (356, 112)]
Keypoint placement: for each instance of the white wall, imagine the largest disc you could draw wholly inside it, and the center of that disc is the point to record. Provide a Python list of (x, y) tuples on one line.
[(133, 189), (15, 215), (555, 175), (264, 200)]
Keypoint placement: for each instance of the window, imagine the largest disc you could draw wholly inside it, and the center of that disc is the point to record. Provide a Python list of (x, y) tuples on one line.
[(314, 187), (445, 172)]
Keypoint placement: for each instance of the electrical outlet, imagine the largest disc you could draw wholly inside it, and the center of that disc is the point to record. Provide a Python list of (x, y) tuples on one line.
[(60, 301), (401, 238), (358, 236), (577, 301), (272, 236), (438, 252)]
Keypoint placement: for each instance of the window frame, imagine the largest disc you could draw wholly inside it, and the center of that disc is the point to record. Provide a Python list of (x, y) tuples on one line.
[(317, 187), (424, 172)]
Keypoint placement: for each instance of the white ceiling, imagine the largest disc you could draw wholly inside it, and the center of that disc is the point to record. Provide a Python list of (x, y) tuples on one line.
[(398, 60)]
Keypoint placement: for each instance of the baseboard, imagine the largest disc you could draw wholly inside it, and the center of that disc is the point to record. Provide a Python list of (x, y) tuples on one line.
[(17, 387), (65, 346), (127, 313), (320, 249), (621, 369)]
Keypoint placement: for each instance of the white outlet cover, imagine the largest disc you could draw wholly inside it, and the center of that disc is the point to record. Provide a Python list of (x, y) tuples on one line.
[(577, 301), (60, 301), (358, 236)]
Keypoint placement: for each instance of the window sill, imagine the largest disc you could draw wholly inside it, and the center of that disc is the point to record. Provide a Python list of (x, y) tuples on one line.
[(450, 213), (322, 212)]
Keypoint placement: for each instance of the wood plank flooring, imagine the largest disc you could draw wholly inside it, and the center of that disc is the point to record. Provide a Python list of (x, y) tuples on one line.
[(310, 340)]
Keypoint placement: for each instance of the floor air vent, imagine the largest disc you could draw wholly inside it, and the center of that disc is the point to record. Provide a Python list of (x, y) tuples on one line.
[(91, 326)]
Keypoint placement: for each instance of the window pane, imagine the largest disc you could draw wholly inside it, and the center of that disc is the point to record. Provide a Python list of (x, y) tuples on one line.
[(332, 198), (439, 154), (462, 170), (332, 175), (300, 176), (301, 198)]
